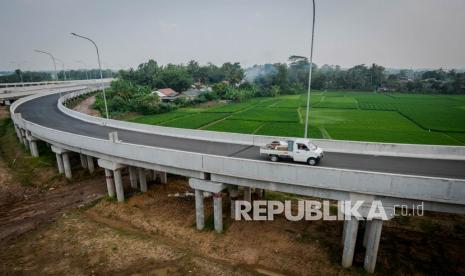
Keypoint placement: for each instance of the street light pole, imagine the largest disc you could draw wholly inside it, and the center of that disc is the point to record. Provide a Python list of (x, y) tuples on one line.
[(63, 68), (100, 68), (310, 73), (54, 63)]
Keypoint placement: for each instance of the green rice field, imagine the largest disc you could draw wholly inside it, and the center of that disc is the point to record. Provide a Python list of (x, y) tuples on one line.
[(358, 116)]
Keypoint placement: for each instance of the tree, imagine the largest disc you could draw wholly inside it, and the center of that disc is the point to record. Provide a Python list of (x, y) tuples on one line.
[(175, 77), (220, 88), (232, 72), (377, 75)]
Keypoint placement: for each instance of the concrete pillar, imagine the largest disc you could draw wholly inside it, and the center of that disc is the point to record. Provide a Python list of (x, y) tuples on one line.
[(83, 158), (163, 177), (218, 211), (248, 194), (199, 210), (260, 192), (67, 165), (90, 164), (20, 136), (25, 142), (374, 235), (366, 233), (233, 193), (119, 185), (154, 176), (133, 176), (350, 237), (61, 169), (33, 147), (142, 179), (110, 185)]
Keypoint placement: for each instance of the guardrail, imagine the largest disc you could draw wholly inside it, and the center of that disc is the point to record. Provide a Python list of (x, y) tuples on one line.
[(39, 83), (354, 147)]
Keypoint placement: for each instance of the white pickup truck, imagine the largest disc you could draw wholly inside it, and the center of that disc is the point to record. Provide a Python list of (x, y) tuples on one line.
[(298, 150)]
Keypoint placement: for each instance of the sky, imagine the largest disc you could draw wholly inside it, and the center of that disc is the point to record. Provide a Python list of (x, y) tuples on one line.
[(392, 33)]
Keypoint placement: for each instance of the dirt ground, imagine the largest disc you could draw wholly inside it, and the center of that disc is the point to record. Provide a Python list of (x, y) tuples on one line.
[(85, 107), (54, 226)]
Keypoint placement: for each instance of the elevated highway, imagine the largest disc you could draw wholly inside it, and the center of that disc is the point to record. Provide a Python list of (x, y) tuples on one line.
[(10, 92), (222, 163)]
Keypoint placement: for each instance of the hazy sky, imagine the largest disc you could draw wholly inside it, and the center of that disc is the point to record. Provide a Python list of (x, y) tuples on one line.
[(393, 33)]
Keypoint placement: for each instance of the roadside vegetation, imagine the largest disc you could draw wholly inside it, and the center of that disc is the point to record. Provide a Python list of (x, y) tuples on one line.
[(24, 169), (362, 116), (270, 99)]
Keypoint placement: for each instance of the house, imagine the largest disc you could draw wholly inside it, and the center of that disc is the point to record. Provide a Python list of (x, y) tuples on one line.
[(192, 93), (195, 92), (166, 94)]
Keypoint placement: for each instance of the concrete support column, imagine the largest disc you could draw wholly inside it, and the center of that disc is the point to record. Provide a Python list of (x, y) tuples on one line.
[(25, 142), (114, 167), (20, 135), (248, 194), (33, 147), (366, 233), (119, 185), (163, 177), (142, 179), (61, 169), (90, 164), (199, 210), (233, 193), (154, 176), (83, 158), (374, 235), (350, 237), (133, 176), (218, 212), (110, 185), (67, 165)]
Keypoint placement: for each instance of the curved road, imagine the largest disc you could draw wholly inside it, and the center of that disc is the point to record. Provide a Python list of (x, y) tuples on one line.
[(44, 111)]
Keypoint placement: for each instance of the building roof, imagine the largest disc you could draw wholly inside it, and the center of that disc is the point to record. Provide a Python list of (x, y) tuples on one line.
[(192, 92), (168, 92)]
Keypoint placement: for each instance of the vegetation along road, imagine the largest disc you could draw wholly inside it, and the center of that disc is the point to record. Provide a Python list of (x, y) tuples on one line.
[(361, 116)]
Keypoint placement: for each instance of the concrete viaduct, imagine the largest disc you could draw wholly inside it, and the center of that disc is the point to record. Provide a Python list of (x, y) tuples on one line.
[(227, 164)]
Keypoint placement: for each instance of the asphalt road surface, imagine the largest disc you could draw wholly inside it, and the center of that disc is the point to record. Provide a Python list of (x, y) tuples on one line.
[(44, 111)]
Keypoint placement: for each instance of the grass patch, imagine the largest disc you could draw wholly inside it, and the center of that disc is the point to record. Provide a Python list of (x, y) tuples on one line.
[(236, 126), (337, 102), (160, 118), (268, 115), (23, 167), (233, 107), (288, 130), (362, 116), (195, 120)]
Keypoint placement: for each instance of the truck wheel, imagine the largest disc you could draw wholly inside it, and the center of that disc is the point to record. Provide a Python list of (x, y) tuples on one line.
[(274, 158), (311, 161)]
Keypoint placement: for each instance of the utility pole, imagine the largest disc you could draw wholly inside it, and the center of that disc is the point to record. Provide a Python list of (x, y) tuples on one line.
[(310, 73)]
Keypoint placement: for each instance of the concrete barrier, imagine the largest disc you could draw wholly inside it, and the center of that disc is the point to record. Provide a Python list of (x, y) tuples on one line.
[(354, 147), (432, 189)]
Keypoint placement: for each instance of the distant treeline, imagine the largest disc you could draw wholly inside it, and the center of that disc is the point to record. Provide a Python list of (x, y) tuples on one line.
[(35, 76), (181, 77), (293, 76)]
